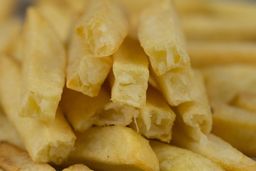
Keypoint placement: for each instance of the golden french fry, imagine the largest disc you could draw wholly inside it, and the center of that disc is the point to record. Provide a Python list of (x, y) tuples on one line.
[(131, 74), (245, 100), (195, 115), (114, 148), (156, 118), (45, 142), (219, 28), (86, 73), (43, 68), (102, 28), (7, 8), (216, 150), (82, 110), (223, 83), (187, 7), (13, 158), (116, 114), (205, 54), (173, 158), (162, 39), (236, 126), (77, 167), (10, 29), (8, 133)]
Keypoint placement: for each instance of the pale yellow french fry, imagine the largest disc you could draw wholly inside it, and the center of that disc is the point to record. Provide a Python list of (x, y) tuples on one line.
[(116, 114), (82, 110), (161, 38), (45, 142), (43, 68), (204, 54), (8, 132), (219, 28), (156, 118), (13, 158), (175, 85), (173, 158), (131, 74), (237, 126), (10, 29), (223, 83), (77, 167), (59, 16), (195, 115), (218, 151), (7, 8), (114, 148), (86, 73), (245, 100), (102, 27)]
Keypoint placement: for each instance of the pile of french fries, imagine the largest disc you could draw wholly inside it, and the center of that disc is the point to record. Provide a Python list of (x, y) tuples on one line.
[(117, 85)]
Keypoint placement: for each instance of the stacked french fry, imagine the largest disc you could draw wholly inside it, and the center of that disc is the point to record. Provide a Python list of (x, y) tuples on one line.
[(110, 85)]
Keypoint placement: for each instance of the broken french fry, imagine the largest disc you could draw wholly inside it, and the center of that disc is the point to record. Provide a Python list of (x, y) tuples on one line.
[(156, 118), (173, 158), (43, 70), (128, 151), (161, 38), (45, 141), (102, 28), (131, 74)]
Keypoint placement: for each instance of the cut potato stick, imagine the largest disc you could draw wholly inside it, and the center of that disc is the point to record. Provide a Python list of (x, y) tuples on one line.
[(43, 69), (45, 142), (77, 167), (9, 31), (227, 79), (187, 7), (245, 100), (204, 54), (156, 118), (196, 116), (236, 126), (162, 39), (218, 151), (129, 151), (8, 133), (14, 159), (131, 74), (219, 28), (102, 28), (86, 73), (7, 8), (173, 158), (82, 110)]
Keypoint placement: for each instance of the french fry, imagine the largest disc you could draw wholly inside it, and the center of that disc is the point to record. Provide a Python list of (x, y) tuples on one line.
[(219, 28), (162, 39), (204, 54), (245, 100), (10, 29), (86, 73), (156, 118), (187, 7), (196, 116), (45, 142), (6, 9), (82, 110), (102, 28), (131, 74), (8, 133), (102, 148), (77, 167), (236, 126), (13, 158), (218, 151), (227, 79), (173, 158), (43, 68)]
